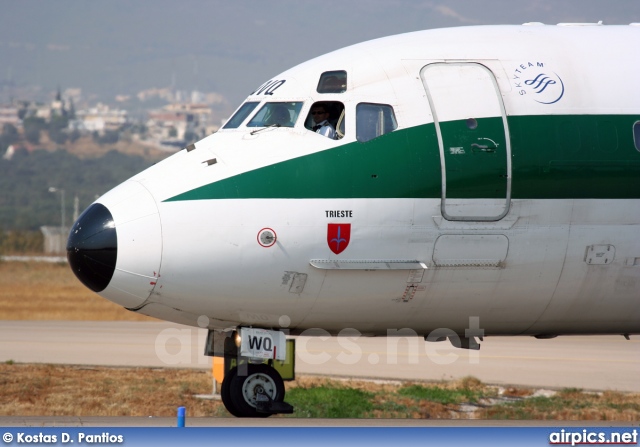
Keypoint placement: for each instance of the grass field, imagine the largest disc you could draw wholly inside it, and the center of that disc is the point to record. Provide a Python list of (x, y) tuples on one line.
[(43, 291), (55, 390)]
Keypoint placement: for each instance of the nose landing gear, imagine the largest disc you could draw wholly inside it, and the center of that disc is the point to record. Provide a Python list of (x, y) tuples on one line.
[(254, 387), (258, 391)]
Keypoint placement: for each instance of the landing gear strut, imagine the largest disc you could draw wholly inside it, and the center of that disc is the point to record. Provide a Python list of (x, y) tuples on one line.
[(255, 386)]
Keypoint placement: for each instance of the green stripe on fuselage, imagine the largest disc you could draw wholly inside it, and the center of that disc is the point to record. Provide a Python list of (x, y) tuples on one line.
[(553, 157)]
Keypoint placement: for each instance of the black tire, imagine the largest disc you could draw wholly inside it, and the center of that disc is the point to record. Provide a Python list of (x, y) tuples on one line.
[(243, 389), (225, 392)]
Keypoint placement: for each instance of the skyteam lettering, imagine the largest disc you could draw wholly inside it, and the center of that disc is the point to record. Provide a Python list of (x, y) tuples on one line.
[(544, 85)]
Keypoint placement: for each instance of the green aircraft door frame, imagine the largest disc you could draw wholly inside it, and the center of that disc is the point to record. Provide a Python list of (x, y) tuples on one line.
[(473, 139)]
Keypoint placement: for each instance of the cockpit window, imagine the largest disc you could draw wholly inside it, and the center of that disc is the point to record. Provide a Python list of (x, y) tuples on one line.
[(332, 82), (282, 114), (326, 118), (240, 115), (373, 120)]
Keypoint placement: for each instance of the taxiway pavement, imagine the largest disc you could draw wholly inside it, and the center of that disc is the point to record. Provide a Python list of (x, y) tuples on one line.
[(590, 363)]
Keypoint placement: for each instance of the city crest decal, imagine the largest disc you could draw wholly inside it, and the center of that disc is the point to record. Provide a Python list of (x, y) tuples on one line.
[(338, 236)]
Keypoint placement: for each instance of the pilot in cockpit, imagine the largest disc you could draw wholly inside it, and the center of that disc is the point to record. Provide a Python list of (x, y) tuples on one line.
[(279, 115), (321, 125)]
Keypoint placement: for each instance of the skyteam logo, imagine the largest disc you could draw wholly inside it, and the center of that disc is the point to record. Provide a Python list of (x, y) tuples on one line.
[(338, 236), (536, 81)]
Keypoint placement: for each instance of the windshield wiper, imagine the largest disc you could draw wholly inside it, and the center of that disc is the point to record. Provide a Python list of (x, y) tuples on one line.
[(253, 132)]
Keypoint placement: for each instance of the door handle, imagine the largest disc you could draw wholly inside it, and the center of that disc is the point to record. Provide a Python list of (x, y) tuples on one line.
[(475, 147)]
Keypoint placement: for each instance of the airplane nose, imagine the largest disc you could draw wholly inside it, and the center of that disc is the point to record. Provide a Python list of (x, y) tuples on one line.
[(115, 247), (92, 247)]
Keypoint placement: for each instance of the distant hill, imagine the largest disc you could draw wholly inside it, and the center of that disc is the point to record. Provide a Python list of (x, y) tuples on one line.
[(25, 200), (87, 147)]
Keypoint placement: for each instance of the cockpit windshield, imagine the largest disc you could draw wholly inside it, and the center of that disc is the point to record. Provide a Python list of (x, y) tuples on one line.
[(280, 114), (240, 115)]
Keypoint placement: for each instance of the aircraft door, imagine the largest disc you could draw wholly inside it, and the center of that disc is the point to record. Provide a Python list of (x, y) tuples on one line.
[(473, 139)]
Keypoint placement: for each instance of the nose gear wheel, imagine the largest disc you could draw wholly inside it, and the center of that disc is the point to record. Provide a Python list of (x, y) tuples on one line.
[(253, 394)]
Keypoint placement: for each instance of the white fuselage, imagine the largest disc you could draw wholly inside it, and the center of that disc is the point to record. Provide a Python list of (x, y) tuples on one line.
[(557, 263)]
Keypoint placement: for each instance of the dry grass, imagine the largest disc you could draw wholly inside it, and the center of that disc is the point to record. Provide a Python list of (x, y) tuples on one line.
[(44, 291), (56, 390), (52, 390), (570, 405)]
